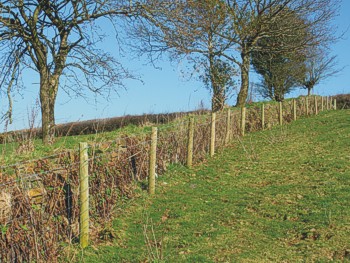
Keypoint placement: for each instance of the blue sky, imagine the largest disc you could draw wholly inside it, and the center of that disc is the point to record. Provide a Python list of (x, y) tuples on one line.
[(163, 90)]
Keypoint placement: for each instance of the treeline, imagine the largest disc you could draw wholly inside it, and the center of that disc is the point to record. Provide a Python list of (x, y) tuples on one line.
[(285, 41)]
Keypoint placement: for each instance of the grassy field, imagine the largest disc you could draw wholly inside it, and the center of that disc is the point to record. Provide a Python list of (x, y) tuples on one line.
[(280, 195)]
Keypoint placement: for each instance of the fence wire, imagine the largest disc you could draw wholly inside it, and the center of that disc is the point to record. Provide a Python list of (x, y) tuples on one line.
[(47, 202)]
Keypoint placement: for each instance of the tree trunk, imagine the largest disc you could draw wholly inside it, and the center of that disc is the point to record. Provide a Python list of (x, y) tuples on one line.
[(219, 96), (279, 94), (243, 93), (279, 97), (309, 91), (48, 94), (218, 99)]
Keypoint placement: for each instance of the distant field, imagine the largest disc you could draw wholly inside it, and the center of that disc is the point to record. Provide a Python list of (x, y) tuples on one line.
[(279, 195)]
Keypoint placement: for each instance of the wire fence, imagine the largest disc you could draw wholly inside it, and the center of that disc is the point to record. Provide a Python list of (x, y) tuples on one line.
[(41, 200)]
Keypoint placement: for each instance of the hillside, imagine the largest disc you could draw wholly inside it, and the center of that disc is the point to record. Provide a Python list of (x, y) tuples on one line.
[(275, 195)]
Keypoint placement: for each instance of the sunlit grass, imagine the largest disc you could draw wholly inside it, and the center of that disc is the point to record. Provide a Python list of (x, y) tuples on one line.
[(277, 195)]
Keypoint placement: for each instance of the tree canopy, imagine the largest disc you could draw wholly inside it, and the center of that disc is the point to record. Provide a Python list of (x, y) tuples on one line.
[(281, 70)]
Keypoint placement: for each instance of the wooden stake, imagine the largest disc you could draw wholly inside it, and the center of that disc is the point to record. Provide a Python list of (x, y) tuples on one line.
[(228, 127), (243, 111), (152, 162), (322, 101), (84, 194), (280, 113), (335, 104), (212, 134), (307, 105), (316, 106), (190, 142), (327, 103), (294, 110), (263, 116)]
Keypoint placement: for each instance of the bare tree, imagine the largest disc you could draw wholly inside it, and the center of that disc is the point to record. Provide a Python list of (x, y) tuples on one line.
[(191, 30), (319, 66), (59, 39)]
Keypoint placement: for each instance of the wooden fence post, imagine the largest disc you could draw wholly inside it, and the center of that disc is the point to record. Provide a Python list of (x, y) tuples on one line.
[(152, 162), (316, 106), (322, 101), (243, 111), (263, 116), (190, 142), (335, 104), (280, 113), (307, 105), (228, 127), (330, 103), (212, 134), (294, 109), (327, 103), (84, 194)]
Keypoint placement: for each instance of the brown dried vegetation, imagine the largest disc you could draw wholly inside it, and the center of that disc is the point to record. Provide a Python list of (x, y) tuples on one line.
[(39, 200)]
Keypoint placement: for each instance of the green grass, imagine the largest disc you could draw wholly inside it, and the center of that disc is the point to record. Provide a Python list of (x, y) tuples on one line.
[(9, 152), (279, 195)]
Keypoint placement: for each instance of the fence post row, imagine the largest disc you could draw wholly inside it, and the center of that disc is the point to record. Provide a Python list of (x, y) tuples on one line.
[(84, 158), (243, 111), (190, 142), (152, 162), (212, 134), (84, 194), (228, 127), (263, 116)]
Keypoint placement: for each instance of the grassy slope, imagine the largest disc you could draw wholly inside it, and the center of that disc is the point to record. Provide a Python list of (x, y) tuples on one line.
[(34, 149), (9, 152), (278, 195)]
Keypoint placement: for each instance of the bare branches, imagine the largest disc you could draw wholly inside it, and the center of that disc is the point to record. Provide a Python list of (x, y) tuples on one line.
[(231, 29), (320, 65), (191, 29), (58, 38)]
